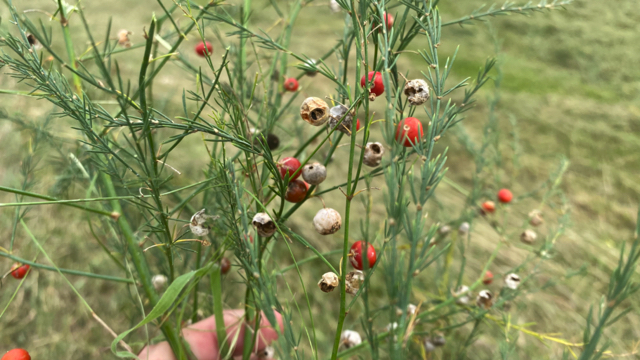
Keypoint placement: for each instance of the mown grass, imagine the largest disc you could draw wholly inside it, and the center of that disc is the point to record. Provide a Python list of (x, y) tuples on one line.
[(570, 81)]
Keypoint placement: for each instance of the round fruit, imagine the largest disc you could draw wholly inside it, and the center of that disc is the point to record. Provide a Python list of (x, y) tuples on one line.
[(264, 225), (357, 124), (288, 166), (315, 111), (296, 191), (489, 206), (409, 132), (505, 196), (373, 154), (225, 265), (291, 84), (388, 19), (327, 221), (377, 87), (16, 354), (19, 272), (488, 278), (200, 49), (314, 173), (356, 255)]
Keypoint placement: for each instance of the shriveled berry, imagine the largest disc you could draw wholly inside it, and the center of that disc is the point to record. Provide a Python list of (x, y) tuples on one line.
[(484, 299), (353, 280), (328, 282), (339, 114), (417, 91), (488, 278), (409, 132), (505, 196), (296, 191), (327, 221), (314, 173), (288, 166), (19, 272), (489, 206), (376, 86), (291, 84), (204, 49), (373, 154), (350, 338), (264, 225), (355, 255), (16, 354), (315, 111), (225, 265)]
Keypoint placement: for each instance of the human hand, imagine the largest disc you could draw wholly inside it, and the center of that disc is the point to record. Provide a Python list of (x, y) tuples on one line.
[(203, 339)]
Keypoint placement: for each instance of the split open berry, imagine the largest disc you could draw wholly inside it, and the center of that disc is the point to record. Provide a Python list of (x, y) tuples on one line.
[(328, 282), (488, 278), (204, 49), (327, 221), (19, 272), (373, 154), (489, 206), (291, 84), (409, 132), (296, 191), (355, 255), (484, 299), (353, 280), (505, 196), (376, 85), (288, 166), (314, 173), (417, 91), (263, 224), (225, 265), (17, 354), (388, 20), (315, 111)]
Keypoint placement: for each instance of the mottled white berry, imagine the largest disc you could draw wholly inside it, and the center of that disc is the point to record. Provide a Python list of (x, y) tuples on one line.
[(464, 228), (444, 230), (484, 299), (201, 223), (327, 221), (373, 154), (417, 91), (512, 281), (159, 281), (314, 174), (264, 225), (350, 338), (462, 294), (528, 236), (328, 282)]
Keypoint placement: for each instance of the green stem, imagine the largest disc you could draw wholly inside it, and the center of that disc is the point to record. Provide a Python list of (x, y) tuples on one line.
[(64, 23), (52, 199)]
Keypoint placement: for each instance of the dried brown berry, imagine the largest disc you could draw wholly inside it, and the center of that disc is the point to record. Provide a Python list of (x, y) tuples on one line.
[(353, 281), (350, 338), (327, 221), (340, 113), (314, 173), (264, 225), (373, 154), (315, 111), (485, 299), (328, 282), (417, 91)]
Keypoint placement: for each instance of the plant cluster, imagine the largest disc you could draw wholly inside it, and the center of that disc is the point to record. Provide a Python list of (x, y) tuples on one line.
[(406, 276)]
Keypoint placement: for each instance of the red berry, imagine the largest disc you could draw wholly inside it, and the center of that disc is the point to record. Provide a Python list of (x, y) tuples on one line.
[(357, 124), (16, 354), (489, 206), (377, 87), (291, 84), (356, 255), (505, 196), (296, 191), (225, 265), (200, 49), (409, 131), (488, 278), (289, 165), (388, 19), (19, 272)]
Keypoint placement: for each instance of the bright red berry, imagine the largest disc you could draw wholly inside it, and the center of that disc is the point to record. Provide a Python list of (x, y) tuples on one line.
[(289, 165), (357, 124), (505, 196), (200, 49), (355, 255), (489, 206), (225, 265), (291, 84), (409, 131), (488, 278), (388, 19), (16, 354), (296, 191), (377, 87), (19, 272)]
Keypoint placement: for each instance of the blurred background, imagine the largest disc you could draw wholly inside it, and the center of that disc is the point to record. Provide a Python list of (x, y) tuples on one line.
[(569, 81)]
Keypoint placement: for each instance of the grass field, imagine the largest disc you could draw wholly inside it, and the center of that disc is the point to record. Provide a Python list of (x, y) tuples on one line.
[(570, 81)]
